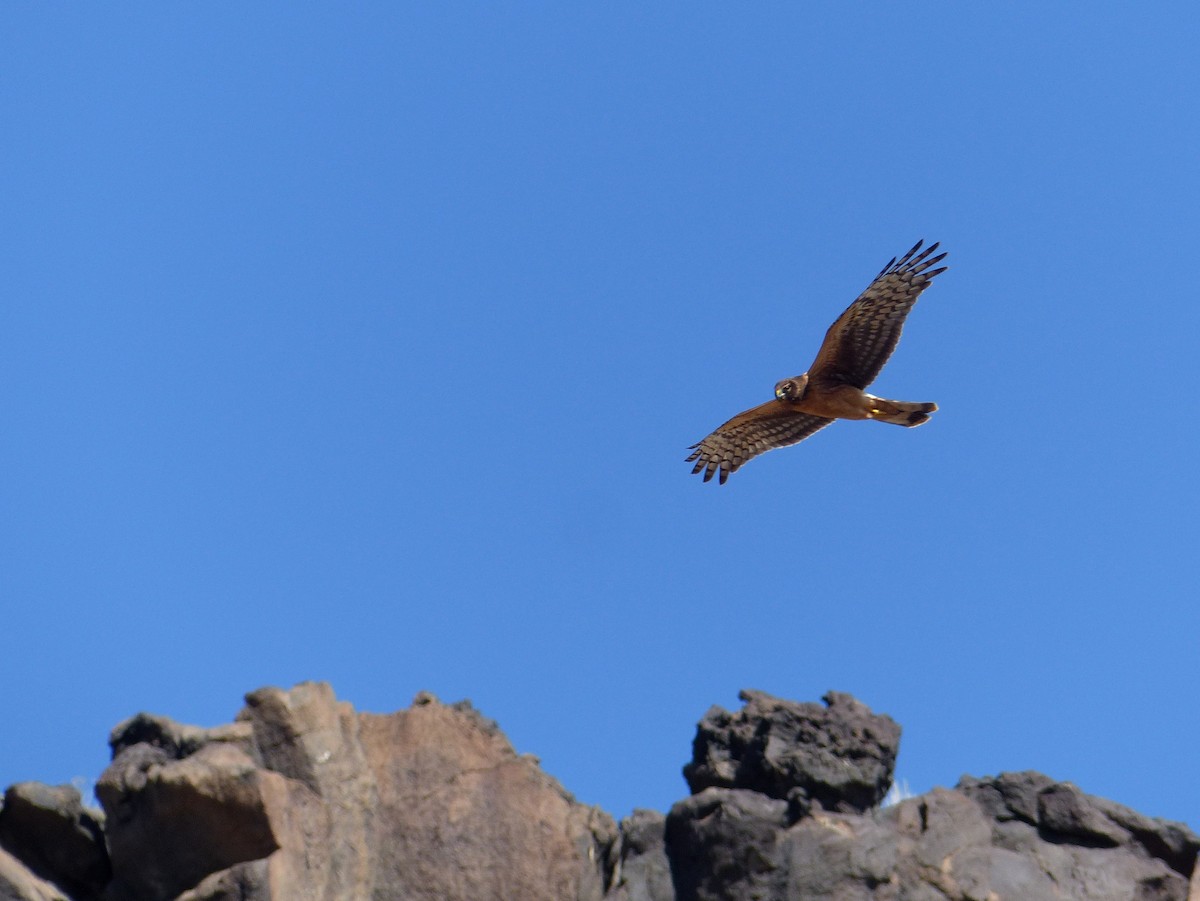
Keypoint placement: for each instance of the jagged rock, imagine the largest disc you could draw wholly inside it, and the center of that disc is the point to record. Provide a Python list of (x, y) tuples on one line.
[(1012, 796), (943, 846), (304, 799), (182, 802), (1067, 836), (841, 756), (423, 804), (47, 829), (171, 822), (1022, 837)]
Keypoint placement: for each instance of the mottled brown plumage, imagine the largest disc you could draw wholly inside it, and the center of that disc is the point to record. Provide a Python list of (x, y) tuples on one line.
[(855, 349)]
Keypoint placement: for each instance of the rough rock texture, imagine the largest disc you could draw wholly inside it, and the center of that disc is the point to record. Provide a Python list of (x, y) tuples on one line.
[(944, 845), (840, 756), (181, 803), (304, 799), (1018, 836), (640, 869)]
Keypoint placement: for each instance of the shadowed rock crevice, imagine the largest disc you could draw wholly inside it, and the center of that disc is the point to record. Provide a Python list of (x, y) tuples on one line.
[(305, 799)]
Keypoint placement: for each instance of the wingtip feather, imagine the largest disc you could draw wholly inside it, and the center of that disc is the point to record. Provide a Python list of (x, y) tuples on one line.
[(908, 256)]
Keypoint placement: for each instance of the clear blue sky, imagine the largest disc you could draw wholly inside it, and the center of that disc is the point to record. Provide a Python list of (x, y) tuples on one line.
[(364, 343)]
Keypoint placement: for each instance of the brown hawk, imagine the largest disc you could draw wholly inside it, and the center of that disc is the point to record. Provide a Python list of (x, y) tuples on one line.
[(854, 350)]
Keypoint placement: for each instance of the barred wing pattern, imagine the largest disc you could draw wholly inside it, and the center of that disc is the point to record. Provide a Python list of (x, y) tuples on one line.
[(863, 338), (749, 434)]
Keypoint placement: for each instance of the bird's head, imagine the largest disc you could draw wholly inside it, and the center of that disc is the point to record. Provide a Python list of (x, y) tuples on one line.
[(792, 390)]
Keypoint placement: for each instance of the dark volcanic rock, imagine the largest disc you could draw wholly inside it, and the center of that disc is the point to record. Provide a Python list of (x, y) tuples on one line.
[(943, 846), (640, 868), (47, 829), (1069, 835), (841, 755), (1018, 837), (724, 843)]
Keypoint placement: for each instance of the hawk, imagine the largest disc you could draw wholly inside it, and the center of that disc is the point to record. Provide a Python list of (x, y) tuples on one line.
[(854, 350)]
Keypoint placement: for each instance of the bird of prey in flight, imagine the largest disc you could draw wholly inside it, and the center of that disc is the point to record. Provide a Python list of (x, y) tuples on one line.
[(851, 356)]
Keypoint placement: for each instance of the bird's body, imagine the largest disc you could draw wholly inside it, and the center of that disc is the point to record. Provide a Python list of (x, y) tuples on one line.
[(854, 351), (848, 402)]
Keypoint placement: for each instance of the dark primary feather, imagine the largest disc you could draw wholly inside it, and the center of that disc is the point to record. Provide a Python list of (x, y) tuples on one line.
[(863, 338), (749, 434)]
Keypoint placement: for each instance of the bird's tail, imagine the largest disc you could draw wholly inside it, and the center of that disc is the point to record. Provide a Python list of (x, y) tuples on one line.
[(901, 412)]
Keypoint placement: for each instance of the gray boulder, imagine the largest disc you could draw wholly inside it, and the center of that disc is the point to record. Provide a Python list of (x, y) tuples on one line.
[(47, 829), (840, 756), (640, 868)]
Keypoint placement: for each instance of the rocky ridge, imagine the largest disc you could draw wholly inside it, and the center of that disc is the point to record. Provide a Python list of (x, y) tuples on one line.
[(303, 798)]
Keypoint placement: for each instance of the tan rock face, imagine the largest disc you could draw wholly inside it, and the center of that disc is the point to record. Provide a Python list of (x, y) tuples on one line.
[(478, 803), (427, 803)]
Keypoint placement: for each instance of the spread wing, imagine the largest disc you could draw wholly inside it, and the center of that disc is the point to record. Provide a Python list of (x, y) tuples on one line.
[(861, 340), (749, 434)]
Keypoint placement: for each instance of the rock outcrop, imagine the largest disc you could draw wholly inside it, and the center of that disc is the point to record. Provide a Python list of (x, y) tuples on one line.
[(47, 829), (304, 799), (840, 755)]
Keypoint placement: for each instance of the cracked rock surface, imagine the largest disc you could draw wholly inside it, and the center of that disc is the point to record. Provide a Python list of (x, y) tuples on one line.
[(305, 799)]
